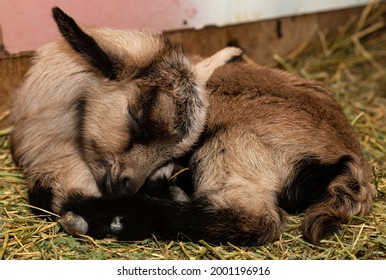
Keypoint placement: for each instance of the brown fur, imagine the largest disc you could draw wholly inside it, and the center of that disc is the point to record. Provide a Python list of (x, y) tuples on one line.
[(98, 117), (261, 123)]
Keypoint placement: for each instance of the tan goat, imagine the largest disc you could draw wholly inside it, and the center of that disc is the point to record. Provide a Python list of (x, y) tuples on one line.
[(105, 112)]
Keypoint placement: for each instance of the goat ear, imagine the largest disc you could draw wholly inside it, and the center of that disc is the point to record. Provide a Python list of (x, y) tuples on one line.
[(85, 45), (205, 68)]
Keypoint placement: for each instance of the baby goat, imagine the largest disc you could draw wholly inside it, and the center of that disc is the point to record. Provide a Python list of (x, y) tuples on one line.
[(104, 112)]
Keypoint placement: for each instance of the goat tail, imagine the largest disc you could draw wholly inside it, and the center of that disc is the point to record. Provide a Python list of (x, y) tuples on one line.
[(349, 194)]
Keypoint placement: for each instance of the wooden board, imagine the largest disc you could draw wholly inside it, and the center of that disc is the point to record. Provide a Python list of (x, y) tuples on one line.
[(260, 40)]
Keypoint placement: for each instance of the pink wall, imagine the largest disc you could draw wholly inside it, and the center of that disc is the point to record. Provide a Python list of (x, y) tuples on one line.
[(27, 24)]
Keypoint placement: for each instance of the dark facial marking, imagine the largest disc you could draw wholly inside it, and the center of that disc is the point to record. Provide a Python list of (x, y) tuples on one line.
[(80, 108), (144, 127)]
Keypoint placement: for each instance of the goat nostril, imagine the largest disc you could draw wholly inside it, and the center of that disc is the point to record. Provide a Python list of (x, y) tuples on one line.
[(106, 184), (126, 185)]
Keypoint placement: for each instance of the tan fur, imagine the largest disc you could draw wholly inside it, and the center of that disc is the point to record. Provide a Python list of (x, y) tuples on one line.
[(47, 116), (101, 117)]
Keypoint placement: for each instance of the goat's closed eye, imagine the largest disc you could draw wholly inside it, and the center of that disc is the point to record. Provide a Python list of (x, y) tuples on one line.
[(133, 116)]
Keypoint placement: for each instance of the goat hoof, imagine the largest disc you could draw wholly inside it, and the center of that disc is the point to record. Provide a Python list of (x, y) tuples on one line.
[(73, 223)]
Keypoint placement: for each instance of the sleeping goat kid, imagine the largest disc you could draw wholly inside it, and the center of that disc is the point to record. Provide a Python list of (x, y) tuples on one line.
[(105, 111)]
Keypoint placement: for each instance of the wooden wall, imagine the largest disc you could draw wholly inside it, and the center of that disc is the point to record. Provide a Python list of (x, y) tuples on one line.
[(260, 40)]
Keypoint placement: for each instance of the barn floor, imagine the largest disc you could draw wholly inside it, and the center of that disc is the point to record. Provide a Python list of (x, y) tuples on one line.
[(352, 63)]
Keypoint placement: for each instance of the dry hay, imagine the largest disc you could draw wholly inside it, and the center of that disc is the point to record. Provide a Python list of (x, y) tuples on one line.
[(351, 62)]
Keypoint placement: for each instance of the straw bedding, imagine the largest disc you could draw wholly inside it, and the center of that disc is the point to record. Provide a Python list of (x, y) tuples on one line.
[(351, 61)]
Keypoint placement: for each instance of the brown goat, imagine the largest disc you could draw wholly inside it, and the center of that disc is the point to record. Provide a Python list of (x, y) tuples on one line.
[(106, 112)]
